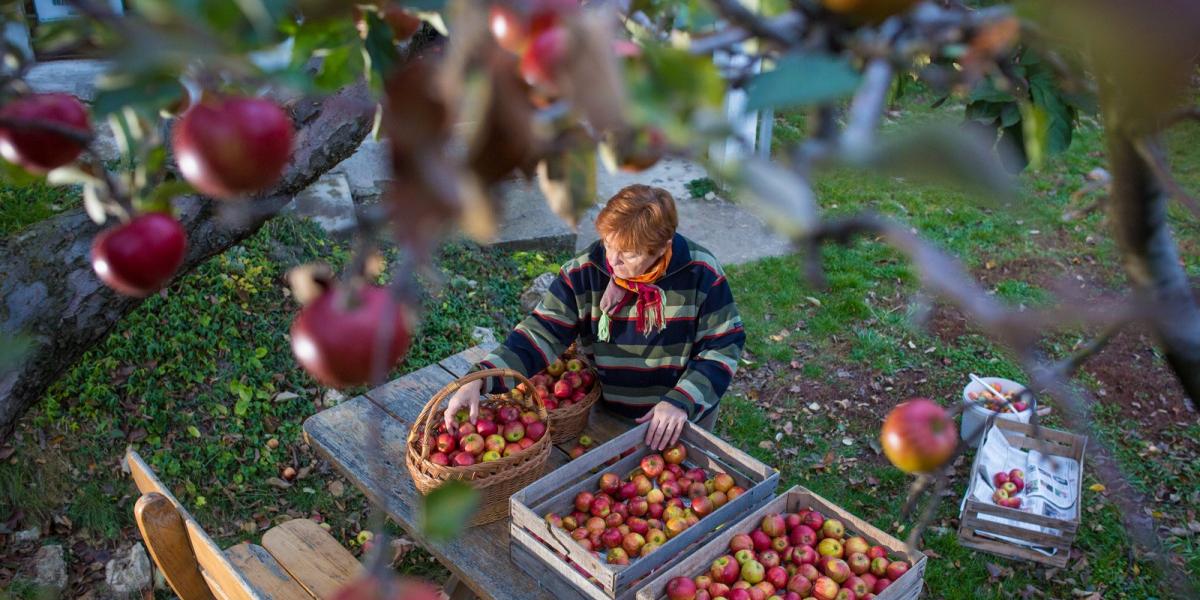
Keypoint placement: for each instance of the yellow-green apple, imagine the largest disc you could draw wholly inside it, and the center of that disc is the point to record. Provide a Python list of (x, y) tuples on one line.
[(879, 567), (779, 544), (743, 556), (830, 547), (617, 556), (490, 455), (833, 528), (656, 536), (718, 498), (856, 544), (753, 571)]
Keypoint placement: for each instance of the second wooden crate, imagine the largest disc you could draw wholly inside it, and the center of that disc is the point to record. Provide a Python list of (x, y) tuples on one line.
[(908, 586), (972, 524), (544, 551)]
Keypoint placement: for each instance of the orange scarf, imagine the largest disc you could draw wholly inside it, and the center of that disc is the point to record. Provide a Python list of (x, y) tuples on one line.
[(654, 274), (651, 315)]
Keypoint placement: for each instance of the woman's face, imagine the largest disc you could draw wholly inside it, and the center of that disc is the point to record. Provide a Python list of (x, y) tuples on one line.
[(627, 264)]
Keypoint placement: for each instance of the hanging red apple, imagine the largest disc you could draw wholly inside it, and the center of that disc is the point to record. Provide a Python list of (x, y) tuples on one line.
[(40, 150), (918, 436), (540, 63), (334, 337), (139, 257), (228, 147)]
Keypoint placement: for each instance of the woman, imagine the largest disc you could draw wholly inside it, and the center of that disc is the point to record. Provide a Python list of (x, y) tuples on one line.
[(652, 311)]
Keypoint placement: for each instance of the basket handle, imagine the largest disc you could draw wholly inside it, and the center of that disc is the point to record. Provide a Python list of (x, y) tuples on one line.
[(425, 419)]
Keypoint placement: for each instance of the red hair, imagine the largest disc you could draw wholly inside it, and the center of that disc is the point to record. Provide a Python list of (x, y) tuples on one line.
[(639, 218)]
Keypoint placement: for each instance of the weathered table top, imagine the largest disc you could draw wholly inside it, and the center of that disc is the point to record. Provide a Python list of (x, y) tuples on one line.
[(479, 557)]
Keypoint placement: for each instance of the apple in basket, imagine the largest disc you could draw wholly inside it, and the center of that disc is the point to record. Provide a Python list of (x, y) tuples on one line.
[(486, 427), (508, 414)]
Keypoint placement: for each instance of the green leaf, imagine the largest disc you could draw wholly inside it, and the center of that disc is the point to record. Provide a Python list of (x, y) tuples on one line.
[(987, 91), (1010, 114), (1034, 127), (160, 199), (147, 93), (425, 4), (380, 46), (192, 431), (260, 352), (446, 511), (1060, 120), (802, 79), (241, 406), (984, 112), (341, 67)]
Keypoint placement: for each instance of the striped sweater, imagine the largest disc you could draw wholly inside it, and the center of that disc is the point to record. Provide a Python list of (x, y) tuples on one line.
[(688, 363)]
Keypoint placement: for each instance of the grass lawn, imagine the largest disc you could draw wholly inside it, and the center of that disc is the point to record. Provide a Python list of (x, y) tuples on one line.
[(200, 378)]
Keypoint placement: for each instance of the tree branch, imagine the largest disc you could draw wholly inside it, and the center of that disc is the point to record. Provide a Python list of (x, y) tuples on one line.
[(1151, 152), (736, 13), (50, 295)]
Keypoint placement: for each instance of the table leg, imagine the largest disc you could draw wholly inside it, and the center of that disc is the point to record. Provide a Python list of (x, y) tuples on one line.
[(457, 590)]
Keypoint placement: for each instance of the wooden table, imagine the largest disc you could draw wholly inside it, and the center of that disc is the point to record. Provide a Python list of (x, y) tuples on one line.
[(478, 558)]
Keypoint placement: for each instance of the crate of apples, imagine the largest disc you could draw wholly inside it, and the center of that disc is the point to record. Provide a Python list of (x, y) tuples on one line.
[(798, 546), (1009, 403), (1008, 485), (629, 517), (498, 432)]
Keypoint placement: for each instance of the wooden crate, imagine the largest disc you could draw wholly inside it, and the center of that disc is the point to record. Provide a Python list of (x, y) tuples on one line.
[(1052, 442), (794, 500), (542, 551)]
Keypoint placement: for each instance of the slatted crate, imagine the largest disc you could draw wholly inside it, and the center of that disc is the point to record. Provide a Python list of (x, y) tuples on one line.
[(1051, 442), (798, 498), (544, 551)]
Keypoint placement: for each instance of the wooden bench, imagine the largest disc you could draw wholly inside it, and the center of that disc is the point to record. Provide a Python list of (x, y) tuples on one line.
[(297, 559)]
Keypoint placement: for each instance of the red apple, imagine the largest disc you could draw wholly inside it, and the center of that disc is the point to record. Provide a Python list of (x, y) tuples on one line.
[(1016, 473), (769, 558), (761, 540), (800, 585), (808, 570), (638, 506), (837, 570), (617, 556), (446, 443), (333, 336), (725, 569), (525, 442), (583, 501), (776, 576), (472, 443), (845, 594), (804, 555), (761, 590), (877, 552), (669, 489), (439, 458), (802, 535), (675, 454), (773, 525), (869, 579), (918, 436), (999, 479), (738, 594), (138, 257), (486, 427), (859, 563), (896, 568), (228, 147), (628, 490), (698, 490), (655, 511), (1018, 483), (652, 465), (611, 538), (633, 542), (881, 584), (529, 417), (610, 483), (702, 506), (514, 431), (857, 585), (723, 482), (614, 519), (681, 588), (508, 414), (535, 431), (642, 484), (638, 525), (825, 588), (780, 544), (464, 459), (740, 541), (813, 520), (41, 150), (466, 429), (600, 507)]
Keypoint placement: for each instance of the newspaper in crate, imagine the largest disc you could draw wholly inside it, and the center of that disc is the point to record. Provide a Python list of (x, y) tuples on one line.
[(1050, 485)]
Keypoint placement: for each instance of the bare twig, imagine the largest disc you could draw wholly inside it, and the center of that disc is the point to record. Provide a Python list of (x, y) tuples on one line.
[(1191, 113), (1068, 366), (866, 110), (82, 137), (1151, 152)]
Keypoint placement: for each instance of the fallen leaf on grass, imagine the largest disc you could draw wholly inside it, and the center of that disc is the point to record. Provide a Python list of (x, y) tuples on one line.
[(766, 444), (1096, 487), (336, 489), (279, 483)]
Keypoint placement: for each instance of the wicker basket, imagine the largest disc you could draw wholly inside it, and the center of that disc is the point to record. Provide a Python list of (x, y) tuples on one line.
[(495, 480), (568, 422)]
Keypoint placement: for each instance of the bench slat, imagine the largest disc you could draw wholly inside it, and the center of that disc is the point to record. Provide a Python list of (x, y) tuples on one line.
[(312, 557), (268, 577)]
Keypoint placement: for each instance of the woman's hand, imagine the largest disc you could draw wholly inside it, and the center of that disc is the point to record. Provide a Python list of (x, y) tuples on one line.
[(666, 423), (467, 396)]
